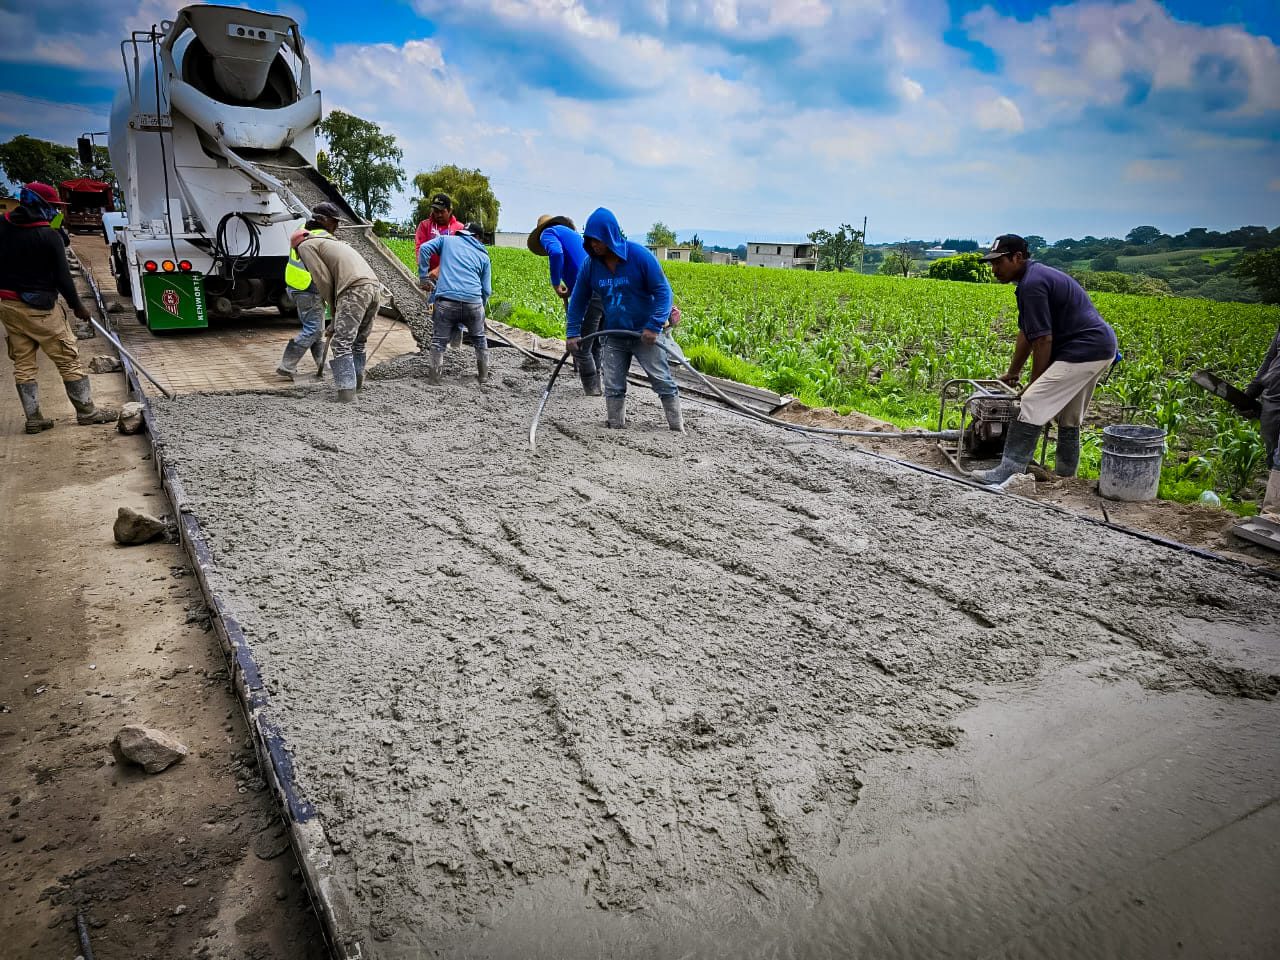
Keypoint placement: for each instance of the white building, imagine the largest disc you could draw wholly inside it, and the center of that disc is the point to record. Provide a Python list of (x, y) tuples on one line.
[(938, 253), (680, 254), (787, 256), (510, 238)]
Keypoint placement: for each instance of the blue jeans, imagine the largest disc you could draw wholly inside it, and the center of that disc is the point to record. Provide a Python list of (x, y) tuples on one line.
[(451, 313), (618, 352), (311, 313)]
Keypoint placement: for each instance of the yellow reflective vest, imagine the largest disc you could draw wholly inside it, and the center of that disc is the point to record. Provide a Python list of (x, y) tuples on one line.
[(295, 274)]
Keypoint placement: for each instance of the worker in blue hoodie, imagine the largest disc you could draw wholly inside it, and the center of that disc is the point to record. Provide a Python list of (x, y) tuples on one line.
[(556, 238), (635, 296)]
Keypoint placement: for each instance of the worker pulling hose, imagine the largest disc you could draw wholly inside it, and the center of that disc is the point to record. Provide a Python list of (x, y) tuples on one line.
[(678, 357)]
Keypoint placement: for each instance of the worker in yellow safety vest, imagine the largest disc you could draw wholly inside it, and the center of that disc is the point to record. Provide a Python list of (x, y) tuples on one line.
[(323, 223)]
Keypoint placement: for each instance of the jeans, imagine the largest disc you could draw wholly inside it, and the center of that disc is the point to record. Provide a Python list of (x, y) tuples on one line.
[(618, 352), (455, 313), (588, 361), (311, 313)]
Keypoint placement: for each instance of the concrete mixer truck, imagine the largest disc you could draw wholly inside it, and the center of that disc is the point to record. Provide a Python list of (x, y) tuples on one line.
[(217, 104)]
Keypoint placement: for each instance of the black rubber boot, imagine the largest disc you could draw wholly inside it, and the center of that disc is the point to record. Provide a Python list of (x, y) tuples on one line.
[(81, 398), (36, 422), (482, 366), (1019, 445), (1067, 458)]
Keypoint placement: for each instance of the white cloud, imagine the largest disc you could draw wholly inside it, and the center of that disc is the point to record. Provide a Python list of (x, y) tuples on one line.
[(1152, 171), (909, 90), (998, 114), (1097, 54)]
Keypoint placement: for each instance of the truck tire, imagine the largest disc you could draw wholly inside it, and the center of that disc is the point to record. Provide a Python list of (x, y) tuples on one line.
[(122, 285)]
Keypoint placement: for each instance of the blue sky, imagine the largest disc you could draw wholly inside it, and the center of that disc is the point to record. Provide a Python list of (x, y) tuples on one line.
[(770, 119)]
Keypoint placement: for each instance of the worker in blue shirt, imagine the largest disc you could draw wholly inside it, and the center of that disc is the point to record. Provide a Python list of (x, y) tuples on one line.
[(462, 290), (635, 296), (556, 238)]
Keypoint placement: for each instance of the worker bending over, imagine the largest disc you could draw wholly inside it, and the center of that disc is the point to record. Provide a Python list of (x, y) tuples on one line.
[(1070, 347), (1265, 388), (463, 286), (635, 296), (323, 223), (33, 272), (350, 288), (556, 238)]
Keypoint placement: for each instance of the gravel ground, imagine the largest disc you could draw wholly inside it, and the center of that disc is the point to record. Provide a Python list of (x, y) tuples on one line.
[(640, 674)]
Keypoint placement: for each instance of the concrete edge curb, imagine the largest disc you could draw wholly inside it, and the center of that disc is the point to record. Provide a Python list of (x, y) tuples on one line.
[(305, 828)]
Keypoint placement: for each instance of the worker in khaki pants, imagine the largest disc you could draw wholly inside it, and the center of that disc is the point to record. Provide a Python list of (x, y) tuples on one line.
[(33, 272)]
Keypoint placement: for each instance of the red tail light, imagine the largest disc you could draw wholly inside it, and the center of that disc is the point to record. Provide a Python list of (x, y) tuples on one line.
[(184, 265), (151, 266)]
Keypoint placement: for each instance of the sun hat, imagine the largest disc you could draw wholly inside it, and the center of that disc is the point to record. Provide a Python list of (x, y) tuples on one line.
[(546, 220)]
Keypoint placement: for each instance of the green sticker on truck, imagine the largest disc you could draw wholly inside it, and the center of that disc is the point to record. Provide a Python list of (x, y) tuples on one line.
[(174, 301)]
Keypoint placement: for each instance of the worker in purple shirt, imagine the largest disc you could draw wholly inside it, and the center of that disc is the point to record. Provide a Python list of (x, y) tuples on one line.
[(557, 239), (1070, 347)]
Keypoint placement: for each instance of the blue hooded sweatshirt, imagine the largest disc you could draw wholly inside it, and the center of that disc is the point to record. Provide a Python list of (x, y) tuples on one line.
[(636, 296), (464, 268), (566, 253)]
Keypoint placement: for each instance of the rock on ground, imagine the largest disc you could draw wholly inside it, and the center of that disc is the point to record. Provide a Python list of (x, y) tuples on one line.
[(105, 364), (133, 527), (131, 420), (153, 750)]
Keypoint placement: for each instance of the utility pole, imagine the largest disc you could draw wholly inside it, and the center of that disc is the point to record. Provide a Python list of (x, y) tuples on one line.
[(862, 250)]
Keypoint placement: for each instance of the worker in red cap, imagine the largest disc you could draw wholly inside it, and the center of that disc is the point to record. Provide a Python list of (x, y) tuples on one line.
[(33, 272)]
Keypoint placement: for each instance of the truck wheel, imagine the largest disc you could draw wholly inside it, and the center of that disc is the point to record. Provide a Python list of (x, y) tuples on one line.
[(122, 285)]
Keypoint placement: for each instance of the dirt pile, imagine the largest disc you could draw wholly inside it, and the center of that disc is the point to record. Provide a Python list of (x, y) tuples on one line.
[(638, 670)]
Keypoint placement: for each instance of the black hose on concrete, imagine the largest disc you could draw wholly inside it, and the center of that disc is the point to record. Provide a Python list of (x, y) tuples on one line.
[(740, 407), (82, 933)]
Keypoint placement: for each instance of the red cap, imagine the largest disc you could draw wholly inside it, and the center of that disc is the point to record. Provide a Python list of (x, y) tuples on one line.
[(44, 191)]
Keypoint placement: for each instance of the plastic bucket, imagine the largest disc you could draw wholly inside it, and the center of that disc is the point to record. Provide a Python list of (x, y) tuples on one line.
[(1131, 458)]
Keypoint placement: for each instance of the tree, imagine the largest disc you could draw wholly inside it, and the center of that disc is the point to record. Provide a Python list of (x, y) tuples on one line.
[(898, 261), (1105, 262), (960, 246), (697, 254), (362, 161), (1035, 243), (24, 159), (967, 267), (1262, 271), (837, 251), (470, 190), (1141, 236), (660, 235)]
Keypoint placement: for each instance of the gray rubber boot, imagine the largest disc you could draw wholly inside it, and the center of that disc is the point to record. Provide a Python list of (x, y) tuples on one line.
[(435, 367), (288, 366), (36, 422), (1019, 445), (675, 418), (82, 399), (591, 383), (615, 410), (1067, 458), (359, 359), (344, 377), (482, 366)]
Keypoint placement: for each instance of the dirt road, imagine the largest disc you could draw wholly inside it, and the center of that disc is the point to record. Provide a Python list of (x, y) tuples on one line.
[(650, 695), (186, 863)]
